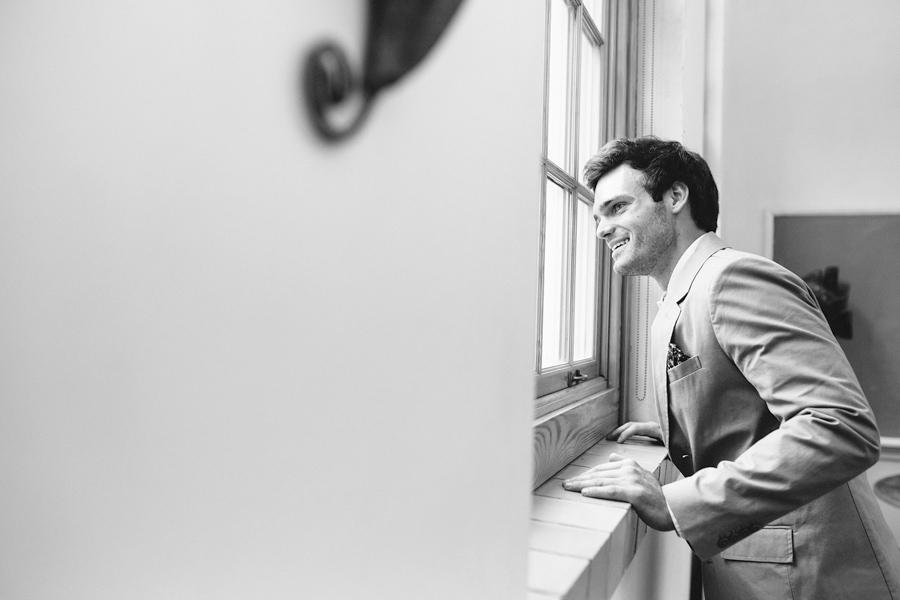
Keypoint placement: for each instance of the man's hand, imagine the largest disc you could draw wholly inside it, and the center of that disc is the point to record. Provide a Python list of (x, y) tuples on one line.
[(624, 480), (631, 428)]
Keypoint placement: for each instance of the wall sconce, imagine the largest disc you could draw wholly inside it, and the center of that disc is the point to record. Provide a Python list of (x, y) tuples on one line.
[(400, 34)]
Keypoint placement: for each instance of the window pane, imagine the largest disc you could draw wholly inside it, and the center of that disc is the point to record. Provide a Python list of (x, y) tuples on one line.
[(557, 82), (584, 321), (554, 330), (595, 10), (590, 102)]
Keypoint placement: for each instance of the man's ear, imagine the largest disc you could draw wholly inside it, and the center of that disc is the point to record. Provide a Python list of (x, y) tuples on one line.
[(678, 194)]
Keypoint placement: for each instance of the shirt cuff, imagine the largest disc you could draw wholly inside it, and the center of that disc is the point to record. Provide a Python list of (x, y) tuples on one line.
[(674, 520)]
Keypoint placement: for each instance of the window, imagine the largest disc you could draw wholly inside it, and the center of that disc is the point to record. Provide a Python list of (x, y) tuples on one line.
[(575, 296)]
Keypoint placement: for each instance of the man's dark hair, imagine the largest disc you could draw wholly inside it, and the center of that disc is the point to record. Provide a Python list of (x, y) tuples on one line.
[(662, 163)]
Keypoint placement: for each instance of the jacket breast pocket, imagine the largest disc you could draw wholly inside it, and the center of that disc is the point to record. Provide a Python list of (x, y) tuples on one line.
[(773, 544), (681, 371)]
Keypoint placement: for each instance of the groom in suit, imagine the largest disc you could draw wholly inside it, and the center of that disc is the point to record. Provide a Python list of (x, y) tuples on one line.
[(756, 402)]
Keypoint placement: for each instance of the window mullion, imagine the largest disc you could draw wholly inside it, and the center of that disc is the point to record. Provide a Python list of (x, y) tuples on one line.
[(574, 92), (570, 284), (570, 276), (539, 326), (573, 89)]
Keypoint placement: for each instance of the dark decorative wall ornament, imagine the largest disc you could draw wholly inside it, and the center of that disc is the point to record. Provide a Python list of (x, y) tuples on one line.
[(400, 35), (832, 296)]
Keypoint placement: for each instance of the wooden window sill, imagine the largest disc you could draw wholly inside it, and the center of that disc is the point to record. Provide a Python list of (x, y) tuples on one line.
[(579, 548)]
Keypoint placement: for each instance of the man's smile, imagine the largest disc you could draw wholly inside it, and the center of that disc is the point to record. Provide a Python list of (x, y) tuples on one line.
[(618, 244)]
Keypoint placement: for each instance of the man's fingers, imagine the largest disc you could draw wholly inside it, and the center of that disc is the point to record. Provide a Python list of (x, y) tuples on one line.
[(616, 469), (632, 428), (603, 468), (580, 486), (606, 492), (626, 433), (576, 484), (615, 462), (622, 432), (620, 429), (595, 483)]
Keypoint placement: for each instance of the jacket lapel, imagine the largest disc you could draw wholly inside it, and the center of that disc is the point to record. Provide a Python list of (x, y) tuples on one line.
[(664, 323), (684, 276), (660, 334)]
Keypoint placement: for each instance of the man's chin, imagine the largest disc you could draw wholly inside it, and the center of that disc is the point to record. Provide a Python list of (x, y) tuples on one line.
[(626, 269), (621, 268)]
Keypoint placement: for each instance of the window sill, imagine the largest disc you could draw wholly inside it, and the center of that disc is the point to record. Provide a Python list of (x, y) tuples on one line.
[(579, 548), (570, 431)]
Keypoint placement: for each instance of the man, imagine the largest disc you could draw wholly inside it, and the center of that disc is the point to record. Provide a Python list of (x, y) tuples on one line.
[(757, 404)]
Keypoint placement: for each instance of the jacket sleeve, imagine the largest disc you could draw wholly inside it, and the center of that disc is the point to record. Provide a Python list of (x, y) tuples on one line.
[(768, 322)]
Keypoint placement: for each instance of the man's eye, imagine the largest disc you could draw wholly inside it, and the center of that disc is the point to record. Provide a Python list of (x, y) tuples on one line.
[(618, 207)]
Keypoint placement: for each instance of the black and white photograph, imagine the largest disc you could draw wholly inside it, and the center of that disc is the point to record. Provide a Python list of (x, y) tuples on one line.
[(450, 300)]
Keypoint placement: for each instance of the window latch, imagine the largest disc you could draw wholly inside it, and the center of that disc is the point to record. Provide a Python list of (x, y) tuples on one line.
[(573, 377)]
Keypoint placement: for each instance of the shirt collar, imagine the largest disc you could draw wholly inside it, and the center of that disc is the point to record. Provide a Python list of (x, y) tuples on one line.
[(680, 264)]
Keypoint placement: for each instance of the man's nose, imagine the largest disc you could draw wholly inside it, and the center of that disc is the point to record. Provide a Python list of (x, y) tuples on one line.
[(604, 229)]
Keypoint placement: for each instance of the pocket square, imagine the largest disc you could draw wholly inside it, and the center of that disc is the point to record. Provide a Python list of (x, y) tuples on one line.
[(675, 356)]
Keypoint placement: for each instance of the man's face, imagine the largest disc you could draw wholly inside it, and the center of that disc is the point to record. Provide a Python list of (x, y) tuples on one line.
[(639, 231)]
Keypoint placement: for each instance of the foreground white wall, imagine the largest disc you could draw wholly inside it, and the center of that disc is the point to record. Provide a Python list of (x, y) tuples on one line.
[(237, 363)]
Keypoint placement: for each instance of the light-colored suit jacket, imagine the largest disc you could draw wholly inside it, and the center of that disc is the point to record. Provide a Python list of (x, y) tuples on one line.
[(768, 423)]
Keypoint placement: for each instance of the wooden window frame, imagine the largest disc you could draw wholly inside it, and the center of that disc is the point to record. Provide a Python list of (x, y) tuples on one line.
[(570, 420), (551, 383)]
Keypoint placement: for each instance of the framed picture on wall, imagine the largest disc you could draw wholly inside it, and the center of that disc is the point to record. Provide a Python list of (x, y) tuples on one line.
[(861, 253)]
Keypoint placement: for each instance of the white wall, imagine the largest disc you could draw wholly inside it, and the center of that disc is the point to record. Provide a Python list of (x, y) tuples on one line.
[(237, 363), (809, 109), (806, 95)]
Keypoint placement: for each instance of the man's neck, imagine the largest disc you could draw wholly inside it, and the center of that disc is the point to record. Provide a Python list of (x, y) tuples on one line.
[(683, 241)]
